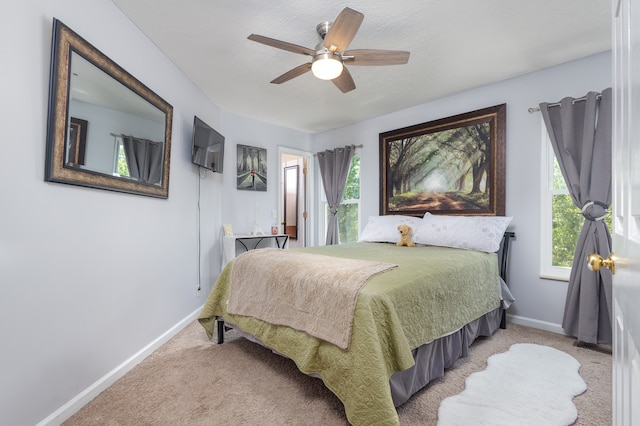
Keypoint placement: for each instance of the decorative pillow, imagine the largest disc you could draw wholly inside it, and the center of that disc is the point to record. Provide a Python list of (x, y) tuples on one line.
[(482, 233), (384, 229)]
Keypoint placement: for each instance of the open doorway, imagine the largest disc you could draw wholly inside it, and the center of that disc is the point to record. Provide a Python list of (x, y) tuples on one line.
[(295, 196)]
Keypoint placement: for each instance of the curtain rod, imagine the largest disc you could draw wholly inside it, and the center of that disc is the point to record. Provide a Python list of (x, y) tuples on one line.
[(557, 104)]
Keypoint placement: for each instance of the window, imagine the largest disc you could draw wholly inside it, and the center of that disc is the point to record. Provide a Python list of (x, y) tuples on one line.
[(120, 166), (349, 209), (561, 219)]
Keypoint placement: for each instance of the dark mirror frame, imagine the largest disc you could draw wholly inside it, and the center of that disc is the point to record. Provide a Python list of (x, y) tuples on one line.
[(64, 42)]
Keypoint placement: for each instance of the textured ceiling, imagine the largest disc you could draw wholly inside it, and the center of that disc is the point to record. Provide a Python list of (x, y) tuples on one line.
[(455, 45)]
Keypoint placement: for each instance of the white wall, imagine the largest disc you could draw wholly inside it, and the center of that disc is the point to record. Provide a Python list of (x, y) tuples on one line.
[(239, 206), (540, 302), (92, 280)]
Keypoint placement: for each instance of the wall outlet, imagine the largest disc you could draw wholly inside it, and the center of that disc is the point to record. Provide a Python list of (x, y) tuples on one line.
[(198, 291)]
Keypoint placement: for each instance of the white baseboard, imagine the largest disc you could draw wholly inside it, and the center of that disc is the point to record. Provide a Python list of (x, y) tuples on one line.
[(84, 397), (534, 323)]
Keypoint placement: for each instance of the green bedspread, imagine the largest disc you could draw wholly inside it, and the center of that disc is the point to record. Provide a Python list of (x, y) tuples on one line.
[(433, 292)]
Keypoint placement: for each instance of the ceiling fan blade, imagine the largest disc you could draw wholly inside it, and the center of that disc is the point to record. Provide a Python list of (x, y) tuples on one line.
[(293, 73), (343, 29), (279, 44), (376, 57), (344, 81)]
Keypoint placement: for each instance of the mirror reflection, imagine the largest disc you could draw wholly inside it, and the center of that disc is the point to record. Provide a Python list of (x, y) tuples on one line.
[(118, 132), (291, 201), (107, 130)]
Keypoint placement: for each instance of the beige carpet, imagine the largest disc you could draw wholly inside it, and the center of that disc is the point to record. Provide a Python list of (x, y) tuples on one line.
[(192, 381)]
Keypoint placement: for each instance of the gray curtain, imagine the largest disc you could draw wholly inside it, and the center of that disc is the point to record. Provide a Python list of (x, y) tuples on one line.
[(580, 132), (144, 159), (334, 169)]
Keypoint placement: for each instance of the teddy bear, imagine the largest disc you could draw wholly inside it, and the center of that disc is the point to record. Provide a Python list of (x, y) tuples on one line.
[(405, 236)]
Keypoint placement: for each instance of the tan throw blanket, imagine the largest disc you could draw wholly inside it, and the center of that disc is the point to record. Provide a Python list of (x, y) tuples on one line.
[(309, 292)]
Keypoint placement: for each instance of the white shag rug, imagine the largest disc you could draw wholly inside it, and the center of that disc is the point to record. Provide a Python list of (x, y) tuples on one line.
[(527, 385)]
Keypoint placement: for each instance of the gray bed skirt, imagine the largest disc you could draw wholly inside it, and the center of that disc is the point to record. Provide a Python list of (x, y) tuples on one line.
[(434, 357), (431, 358)]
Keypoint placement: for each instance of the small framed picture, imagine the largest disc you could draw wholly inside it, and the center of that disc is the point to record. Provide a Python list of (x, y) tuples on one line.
[(252, 168), (228, 230)]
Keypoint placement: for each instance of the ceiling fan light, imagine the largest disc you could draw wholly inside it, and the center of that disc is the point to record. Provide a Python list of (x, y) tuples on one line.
[(326, 66)]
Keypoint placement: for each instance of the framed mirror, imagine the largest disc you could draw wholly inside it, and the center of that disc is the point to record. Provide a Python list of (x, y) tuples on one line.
[(106, 129), (291, 201)]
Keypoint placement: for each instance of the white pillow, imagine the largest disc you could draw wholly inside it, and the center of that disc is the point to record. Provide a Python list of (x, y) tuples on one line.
[(482, 233), (384, 229)]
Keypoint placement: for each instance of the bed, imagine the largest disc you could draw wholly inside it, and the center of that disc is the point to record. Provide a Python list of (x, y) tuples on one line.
[(410, 322)]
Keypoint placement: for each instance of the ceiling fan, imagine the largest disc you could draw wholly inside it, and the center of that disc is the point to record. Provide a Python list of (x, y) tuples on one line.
[(330, 55)]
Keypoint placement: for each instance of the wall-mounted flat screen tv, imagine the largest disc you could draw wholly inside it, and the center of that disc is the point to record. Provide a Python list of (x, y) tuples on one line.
[(208, 146)]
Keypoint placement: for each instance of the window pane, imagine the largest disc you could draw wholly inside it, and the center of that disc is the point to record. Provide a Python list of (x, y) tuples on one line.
[(558, 179), (352, 187), (567, 221), (123, 167), (348, 222)]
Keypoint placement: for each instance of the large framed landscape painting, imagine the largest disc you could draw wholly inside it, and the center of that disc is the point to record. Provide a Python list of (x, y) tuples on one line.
[(454, 165)]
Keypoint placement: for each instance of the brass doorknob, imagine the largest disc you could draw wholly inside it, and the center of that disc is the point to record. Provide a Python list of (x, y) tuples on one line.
[(595, 262)]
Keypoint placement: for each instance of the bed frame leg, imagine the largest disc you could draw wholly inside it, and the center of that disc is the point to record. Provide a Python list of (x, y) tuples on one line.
[(220, 324), (503, 321)]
